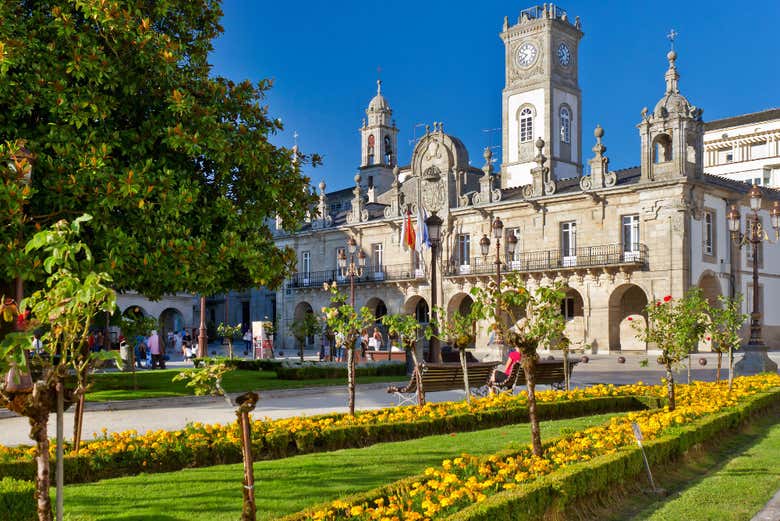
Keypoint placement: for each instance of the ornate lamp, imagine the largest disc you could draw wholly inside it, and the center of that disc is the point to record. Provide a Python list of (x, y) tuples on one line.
[(484, 244)]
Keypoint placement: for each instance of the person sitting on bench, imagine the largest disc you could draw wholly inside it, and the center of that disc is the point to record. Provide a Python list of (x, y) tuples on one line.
[(513, 358)]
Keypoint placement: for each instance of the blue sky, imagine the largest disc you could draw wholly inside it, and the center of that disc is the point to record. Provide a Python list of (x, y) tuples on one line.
[(443, 61)]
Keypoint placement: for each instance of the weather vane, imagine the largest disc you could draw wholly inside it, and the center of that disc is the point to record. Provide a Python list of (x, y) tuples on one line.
[(671, 36), (379, 73)]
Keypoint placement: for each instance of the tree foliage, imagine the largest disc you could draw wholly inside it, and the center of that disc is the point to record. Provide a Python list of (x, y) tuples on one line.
[(63, 309), (524, 319), (675, 327), (116, 101), (727, 320), (346, 323)]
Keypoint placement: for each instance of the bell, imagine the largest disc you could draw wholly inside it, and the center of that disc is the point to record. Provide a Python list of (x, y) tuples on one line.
[(17, 381)]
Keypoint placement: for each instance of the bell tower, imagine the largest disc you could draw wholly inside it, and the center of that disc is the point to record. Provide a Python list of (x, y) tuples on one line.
[(379, 145), (541, 96)]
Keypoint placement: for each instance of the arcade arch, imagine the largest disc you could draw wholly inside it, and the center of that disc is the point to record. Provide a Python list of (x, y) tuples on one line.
[(627, 305)]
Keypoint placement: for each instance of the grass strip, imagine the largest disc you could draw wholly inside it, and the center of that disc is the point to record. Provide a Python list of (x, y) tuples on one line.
[(288, 485), (159, 384), (732, 481)]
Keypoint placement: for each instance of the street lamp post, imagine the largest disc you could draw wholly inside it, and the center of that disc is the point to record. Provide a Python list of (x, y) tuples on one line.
[(755, 359), (511, 244), (350, 269), (434, 234)]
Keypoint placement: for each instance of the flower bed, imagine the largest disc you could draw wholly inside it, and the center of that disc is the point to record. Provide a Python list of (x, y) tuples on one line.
[(198, 445), (519, 485)]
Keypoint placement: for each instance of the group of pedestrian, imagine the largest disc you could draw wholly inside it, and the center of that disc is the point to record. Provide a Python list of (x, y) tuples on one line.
[(365, 342)]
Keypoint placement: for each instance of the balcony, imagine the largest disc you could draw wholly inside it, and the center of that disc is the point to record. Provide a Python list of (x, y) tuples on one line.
[(588, 257), (371, 275)]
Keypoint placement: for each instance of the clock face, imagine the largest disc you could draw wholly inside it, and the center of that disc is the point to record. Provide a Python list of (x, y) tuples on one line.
[(564, 55), (526, 54)]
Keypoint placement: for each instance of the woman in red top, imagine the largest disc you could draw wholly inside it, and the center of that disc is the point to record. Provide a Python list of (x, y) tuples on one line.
[(513, 358)]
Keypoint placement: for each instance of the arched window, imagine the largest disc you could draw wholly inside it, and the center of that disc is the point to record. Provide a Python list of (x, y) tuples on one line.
[(370, 150), (565, 117), (662, 148), (388, 151), (526, 125)]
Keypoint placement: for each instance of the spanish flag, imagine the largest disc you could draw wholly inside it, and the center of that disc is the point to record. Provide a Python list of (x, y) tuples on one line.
[(408, 238)]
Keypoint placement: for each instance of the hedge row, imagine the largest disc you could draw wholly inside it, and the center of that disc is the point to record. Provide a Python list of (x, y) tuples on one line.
[(313, 371), (549, 496), (244, 365), (281, 444), (17, 500)]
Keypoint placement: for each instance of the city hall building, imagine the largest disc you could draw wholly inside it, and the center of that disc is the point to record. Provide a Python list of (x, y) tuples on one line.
[(618, 239)]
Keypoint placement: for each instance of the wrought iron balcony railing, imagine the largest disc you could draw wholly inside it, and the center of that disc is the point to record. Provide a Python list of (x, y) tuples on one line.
[(586, 257), (371, 274)]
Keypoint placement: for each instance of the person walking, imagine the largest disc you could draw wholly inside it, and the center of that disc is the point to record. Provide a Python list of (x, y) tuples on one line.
[(247, 341), (379, 341), (155, 349)]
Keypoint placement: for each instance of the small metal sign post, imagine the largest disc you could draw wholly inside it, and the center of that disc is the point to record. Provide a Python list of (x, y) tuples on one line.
[(639, 440)]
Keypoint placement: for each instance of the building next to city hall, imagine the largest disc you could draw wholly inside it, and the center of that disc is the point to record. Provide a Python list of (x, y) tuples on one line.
[(618, 238)]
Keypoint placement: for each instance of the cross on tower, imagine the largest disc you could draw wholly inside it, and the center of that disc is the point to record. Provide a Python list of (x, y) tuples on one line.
[(671, 36), (379, 73)]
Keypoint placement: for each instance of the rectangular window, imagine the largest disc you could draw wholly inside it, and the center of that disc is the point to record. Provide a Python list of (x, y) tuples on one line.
[(729, 157), (758, 150), (377, 257), (567, 308), (305, 266), (569, 243), (464, 251), (709, 232), (630, 233), (507, 233)]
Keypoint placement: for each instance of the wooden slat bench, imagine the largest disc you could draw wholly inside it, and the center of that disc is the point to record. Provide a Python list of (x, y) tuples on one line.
[(548, 372), (377, 356), (443, 377)]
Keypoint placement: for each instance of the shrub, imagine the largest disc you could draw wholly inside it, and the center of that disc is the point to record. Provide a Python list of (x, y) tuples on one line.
[(290, 370), (17, 500)]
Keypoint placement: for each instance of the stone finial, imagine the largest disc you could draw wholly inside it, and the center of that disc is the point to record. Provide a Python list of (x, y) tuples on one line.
[(396, 172), (378, 87), (577, 23), (427, 129), (357, 179), (672, 76), (506, 23), (540, 158), (322, 187), (600, 176), (599, 149)]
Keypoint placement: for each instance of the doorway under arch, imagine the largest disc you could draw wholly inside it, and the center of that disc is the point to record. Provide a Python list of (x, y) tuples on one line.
[(626, 308)]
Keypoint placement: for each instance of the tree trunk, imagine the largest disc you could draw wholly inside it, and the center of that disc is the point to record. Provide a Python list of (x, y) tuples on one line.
[(566, 369), (60, 474), (351, 379), (670, 385), (720, 362), (465, 374), (530, 377), (230, 349), (418, 378), (78, 419), (731, 366), (249, 510), (689, 369), (39, 433)]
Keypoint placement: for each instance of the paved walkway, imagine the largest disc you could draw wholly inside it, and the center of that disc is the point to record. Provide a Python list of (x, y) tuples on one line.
[(175, 413)]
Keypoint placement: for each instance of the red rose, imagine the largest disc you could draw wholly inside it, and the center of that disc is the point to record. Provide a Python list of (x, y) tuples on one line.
[(630, 318), (658, 303), (708, 339), (667, 298)]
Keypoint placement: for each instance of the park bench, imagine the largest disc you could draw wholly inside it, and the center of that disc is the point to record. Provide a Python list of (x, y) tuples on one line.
[(548, 372), (383, 355), (443, 377)]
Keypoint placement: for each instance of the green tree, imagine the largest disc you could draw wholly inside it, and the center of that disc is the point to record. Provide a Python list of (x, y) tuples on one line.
[(72, 295), (459, 331), (406, 328), (727, 320), (526, 320), (117, 103), (675, 327), (227, 331), (303, 328), (346, 323)]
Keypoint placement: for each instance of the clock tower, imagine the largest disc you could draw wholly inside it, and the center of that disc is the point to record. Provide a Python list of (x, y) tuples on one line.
[(379, 145), (541, 96)]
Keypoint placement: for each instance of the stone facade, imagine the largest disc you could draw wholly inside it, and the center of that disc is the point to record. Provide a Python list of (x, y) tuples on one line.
[(618, 239)]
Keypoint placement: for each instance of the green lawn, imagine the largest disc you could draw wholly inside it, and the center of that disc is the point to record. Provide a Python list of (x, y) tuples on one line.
[(157, 383), (731, 483), (287, 485)]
